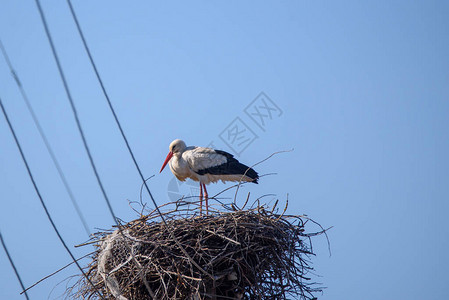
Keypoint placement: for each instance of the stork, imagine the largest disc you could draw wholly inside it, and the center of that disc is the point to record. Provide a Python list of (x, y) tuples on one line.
[(205, 165)]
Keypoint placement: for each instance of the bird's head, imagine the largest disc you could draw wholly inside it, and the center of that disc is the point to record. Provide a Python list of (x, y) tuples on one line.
[(176, 148)]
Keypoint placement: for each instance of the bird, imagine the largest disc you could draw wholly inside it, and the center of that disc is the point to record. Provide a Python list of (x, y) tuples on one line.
[(205, 165)]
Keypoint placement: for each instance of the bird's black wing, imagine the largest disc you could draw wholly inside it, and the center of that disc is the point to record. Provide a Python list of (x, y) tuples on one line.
[(231, 167)]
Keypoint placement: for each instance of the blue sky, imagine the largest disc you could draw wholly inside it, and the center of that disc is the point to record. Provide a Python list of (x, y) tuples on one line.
[(362, 91)]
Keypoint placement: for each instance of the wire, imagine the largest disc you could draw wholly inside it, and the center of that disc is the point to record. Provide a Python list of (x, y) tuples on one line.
[(40, 197), (110, 105), (44, 138), (75, 113), (12, 264), (47, 31), (126, 140)]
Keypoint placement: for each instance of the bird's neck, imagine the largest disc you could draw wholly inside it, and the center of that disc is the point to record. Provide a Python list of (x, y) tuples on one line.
[(177, 155)]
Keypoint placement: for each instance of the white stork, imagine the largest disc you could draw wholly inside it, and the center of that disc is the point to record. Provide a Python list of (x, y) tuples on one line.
[(206, 165)]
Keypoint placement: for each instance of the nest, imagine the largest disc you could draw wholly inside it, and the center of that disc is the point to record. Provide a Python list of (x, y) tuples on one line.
[(236, 254)]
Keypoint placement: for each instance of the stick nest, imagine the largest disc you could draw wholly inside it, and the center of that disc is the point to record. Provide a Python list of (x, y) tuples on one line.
[(239, 254)]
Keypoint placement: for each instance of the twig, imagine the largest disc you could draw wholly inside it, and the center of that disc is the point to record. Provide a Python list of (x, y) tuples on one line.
[(240, 181), (55, 272)]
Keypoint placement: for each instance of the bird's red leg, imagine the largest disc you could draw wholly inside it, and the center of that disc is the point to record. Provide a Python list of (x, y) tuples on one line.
[(201, 198), (207, 198)]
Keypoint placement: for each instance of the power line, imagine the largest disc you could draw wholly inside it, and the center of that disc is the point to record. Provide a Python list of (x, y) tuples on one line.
[(11, 128), (75, 113), (44, 138), (78, 123), (110, 103), (12, 265), (126, 140)]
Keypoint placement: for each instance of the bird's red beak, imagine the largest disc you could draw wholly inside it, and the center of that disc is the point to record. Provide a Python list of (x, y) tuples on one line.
[(169, 156)]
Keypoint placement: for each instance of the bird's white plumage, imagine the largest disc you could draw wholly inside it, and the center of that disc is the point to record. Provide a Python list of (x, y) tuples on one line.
[(192, 159), (200, 158)]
